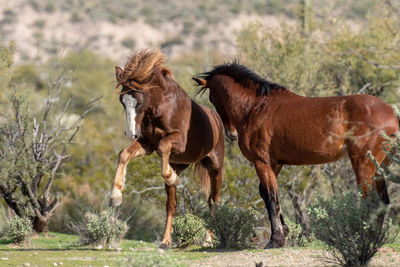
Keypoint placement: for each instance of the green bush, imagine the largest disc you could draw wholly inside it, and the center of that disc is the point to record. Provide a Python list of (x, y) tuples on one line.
[(105, 228), (295, 237), (232, 227), (18, 230), (347, 224), (188, 230), (394, 232)]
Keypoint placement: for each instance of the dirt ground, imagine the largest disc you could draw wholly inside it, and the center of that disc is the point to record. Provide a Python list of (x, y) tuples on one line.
[(290, 257)]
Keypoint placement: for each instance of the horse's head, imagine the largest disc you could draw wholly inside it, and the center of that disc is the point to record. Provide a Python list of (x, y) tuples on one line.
[(133, 103), (140, 78), (217, 98)]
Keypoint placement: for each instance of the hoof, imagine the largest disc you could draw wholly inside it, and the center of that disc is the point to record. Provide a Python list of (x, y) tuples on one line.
[(115, 202), (207, 244), (163, 246), (274, 244)]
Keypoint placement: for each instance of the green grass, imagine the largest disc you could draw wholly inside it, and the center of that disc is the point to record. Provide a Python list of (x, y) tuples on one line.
[(65, 249)]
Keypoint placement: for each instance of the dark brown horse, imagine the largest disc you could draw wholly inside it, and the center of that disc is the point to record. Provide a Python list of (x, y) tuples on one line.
[(276, 126), (161, 117)]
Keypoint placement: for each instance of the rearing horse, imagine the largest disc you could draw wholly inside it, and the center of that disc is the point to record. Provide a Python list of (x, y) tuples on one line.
[(276, 126), (161, 117)]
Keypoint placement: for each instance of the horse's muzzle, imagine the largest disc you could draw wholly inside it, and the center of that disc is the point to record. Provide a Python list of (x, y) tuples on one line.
[(233, 136), (131, 137)]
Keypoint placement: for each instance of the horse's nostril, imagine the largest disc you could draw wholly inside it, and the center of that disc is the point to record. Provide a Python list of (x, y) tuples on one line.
[(135, 136), (125, 133)]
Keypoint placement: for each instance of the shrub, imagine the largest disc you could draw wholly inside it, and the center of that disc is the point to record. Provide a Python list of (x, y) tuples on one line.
[(18, 230), (346, 225), (188, 230), (106, 228), (394, 232), (128, 43), (295, 237), (232, 227)]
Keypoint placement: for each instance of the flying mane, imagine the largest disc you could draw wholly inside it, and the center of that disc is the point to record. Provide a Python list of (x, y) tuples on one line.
[(141, 70), (243, 76)]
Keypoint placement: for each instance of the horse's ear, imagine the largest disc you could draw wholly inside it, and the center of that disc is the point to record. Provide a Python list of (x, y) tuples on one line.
[(200, 82), (166, 72), (118, 72)]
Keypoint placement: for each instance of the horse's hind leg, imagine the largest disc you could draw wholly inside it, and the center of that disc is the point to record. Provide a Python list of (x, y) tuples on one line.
[(365, 169), (277, 169), (214, 166), (171, 206)]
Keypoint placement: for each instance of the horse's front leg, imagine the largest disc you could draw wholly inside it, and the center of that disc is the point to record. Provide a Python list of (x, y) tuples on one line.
[(132, 151), (171, 180), (269, 192)]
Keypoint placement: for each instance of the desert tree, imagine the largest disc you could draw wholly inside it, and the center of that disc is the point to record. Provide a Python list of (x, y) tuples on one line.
[(33, 146)]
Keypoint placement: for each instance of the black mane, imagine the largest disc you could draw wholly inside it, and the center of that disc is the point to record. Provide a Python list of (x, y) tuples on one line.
[(243, 76)]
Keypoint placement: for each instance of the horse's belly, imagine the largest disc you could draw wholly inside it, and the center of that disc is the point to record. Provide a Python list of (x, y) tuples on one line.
[(195, 151), (317, 155)]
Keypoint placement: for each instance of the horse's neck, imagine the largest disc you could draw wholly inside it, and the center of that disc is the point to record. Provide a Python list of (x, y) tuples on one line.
[(241, 104), (244, 105), (174, 95)]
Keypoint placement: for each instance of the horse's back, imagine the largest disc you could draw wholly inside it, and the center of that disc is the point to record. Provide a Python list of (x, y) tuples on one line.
[(309, 130)]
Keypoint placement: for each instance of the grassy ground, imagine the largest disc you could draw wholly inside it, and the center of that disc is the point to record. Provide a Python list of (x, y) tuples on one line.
[(63, 250)]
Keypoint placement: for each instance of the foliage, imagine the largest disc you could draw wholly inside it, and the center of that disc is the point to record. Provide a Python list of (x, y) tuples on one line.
[(393, 232), (232, 227), (348, 225), (105, 228), (384, 172), (18, 230), (295, 237), (339, 62), (188, 229)]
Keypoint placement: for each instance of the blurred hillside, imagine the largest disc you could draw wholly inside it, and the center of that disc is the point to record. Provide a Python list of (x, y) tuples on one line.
[(44, 28)]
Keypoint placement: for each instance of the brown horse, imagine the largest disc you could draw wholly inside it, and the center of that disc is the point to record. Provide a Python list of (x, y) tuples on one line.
[(161, 117), (276, 126)]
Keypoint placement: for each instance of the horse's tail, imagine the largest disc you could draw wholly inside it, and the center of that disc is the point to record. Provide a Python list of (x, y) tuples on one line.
[(202, 173)]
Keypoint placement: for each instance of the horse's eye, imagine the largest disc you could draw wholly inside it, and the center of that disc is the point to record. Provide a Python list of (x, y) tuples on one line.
[(139, 105)]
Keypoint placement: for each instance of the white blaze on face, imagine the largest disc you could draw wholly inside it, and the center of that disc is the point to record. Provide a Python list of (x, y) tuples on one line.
[(130, 109)]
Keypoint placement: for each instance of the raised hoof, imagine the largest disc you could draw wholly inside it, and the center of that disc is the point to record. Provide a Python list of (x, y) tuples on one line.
[(274, 244), (163, 246), (115, 202)]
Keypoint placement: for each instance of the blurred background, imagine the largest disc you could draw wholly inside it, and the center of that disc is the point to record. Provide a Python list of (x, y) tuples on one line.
[(315, 48)]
